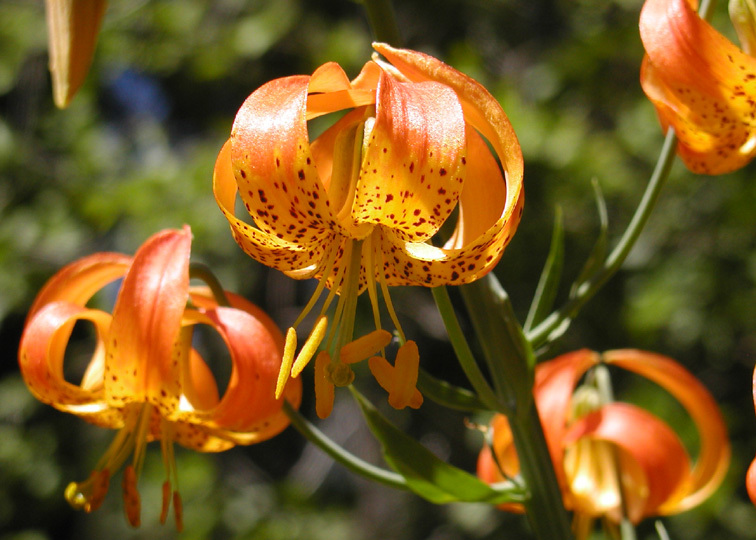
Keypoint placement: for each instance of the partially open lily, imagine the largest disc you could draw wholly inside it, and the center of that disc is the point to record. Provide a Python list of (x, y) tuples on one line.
[(144, 377), (702, 85), (72, 28), (361, 206), (615, 460)]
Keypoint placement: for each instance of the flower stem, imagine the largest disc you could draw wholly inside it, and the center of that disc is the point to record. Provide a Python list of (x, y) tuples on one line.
[(542, 333), (350, 461), (383, 21)]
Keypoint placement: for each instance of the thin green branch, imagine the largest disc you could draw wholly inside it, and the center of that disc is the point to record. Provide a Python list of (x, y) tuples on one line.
[(349, 460), (463, 351), (556, 321), (383, 21)]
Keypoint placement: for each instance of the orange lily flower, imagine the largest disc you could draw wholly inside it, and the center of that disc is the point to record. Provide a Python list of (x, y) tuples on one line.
[(751, 474), (701, 84), (359, 207), (72, 27), (144, 377), (612, 459)]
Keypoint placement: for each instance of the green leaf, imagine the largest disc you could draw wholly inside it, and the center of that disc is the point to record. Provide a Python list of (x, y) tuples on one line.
[(448, 395), (597, 256), (545, 293), (427, 475)]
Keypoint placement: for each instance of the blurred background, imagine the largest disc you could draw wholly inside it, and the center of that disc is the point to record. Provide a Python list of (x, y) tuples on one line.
[(134, 154)]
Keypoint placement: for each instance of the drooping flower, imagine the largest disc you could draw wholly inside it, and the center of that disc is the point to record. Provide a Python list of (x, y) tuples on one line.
[(361, 206), (72, 27), (751, 474), (701, 84), (145, 378), (615, 460)]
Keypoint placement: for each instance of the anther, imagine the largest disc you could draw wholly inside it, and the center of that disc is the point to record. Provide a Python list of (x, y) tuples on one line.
[(324, 391), (288, 358), (365, 346), (131, 499), (311, 345)]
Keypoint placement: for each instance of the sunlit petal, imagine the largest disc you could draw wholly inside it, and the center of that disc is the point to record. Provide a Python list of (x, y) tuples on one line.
[(702, 84), (146, 323), (714, 455)]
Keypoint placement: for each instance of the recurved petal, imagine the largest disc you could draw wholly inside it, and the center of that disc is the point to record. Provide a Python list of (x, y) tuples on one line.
[(72, 27), (418, 263), (701, 84), (554, 386), (484, 194), (273, 164), (330, 91), (41, 356), (264, 247), (480, 108), (414, 166), (714, 455), (648, 440), (146, 323), (80, 280)]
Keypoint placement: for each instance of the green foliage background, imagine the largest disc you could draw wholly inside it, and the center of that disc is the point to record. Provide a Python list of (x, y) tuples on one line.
[(134, 154)]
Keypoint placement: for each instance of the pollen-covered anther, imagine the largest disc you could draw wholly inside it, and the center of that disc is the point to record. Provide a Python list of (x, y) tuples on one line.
[(178, 511), (290, 348), (132, 502), (311, 345), (88, 495), (365, 346), (396, 385), (324, 390), (166, 501)]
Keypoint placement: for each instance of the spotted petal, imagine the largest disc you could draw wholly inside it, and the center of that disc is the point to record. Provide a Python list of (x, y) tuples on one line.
[(140, 364), (701, 84), (714, 455)]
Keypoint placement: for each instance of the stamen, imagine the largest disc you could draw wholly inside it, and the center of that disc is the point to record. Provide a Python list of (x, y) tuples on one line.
[(384, 373), (88, 495), (365, 346), (406, 367), (370, 278), (166, 501), (311, 345), (178, 511), (389, 304), (324, 391), (131, 500), (288, 358), (327, 269)]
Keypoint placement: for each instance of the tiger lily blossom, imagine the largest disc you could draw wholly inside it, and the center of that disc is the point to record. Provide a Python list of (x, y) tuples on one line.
[(614, 460), (701, 84), (144, 378), (72, 27), (359, 207)]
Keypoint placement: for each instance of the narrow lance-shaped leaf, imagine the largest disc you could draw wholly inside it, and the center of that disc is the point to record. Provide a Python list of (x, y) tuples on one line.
[(427, 475), (545, 293), (598, 253)]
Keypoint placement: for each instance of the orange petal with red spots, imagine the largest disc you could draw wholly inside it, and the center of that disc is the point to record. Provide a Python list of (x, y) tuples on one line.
[(413, 168), (42, 353), (279, 253), (702, 85), (273, 165), (146, 322)]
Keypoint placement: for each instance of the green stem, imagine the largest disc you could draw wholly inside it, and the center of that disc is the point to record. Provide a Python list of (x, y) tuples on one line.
[(203, 272), (383, 21), (463, 352), (542, 333), (545, 509), (350, 461)]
